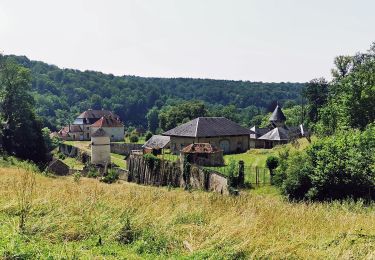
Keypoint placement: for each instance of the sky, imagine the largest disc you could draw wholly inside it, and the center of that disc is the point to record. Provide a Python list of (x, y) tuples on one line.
[(256, 40)]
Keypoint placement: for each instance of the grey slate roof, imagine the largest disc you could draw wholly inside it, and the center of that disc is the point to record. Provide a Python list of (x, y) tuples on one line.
[(99, 133), (157, 142), (277, 115), (260, 131), (209, 127), (276, 134)]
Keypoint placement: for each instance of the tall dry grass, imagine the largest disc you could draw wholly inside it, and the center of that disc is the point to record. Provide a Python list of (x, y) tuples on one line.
[(86, 219)]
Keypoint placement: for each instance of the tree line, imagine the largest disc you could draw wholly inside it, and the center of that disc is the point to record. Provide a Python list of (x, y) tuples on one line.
[(61, 94)]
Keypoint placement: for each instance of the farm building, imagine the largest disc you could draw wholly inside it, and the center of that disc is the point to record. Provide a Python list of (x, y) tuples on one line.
[(276, 133), (203, 154), (91, 120), (156, 144), (217, 131)]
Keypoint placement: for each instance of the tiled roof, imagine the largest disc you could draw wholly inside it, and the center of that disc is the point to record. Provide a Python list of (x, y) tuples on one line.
[(277, 115), (74, 129), (260, 131), (99, 133), (96, 114), (209, 127), (107, 121), (276, 134), (157, 142), (200, 148)]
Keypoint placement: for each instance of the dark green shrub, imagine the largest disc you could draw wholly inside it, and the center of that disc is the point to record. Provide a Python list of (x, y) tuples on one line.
[(148, 135), (272, 162), (133, 138), (92, 173), (127, 234), (110, 177), (151, 160), (336, 167)]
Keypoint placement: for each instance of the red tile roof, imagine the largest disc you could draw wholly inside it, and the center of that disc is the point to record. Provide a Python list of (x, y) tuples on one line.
[(107, 121)]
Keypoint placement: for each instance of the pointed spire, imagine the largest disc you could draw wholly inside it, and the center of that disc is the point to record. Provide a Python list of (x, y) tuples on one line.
[(277, 115)]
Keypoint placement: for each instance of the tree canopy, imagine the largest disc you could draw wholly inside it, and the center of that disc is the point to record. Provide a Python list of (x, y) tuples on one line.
[(61, 94), (20, 129)]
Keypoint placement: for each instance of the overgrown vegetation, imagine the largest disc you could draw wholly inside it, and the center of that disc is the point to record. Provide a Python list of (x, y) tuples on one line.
[(110, 176), (336, 167), (20, 129), (340, 164), (95, 220)]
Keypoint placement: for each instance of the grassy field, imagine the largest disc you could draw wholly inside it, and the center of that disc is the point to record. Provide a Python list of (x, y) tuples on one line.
[(257, 158), (87, 219), (73, 163)]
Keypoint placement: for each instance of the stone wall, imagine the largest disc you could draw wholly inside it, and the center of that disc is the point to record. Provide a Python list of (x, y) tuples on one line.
[(124, 149), (166, 173), (75, 152)]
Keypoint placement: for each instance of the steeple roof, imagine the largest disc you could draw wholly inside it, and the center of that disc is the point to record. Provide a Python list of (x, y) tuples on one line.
[(277, 115)]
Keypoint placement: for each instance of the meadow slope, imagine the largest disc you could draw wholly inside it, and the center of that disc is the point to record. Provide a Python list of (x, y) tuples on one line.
[(89, 219)]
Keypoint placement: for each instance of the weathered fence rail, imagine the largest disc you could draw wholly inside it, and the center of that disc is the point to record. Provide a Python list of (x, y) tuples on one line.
[(167, 173)]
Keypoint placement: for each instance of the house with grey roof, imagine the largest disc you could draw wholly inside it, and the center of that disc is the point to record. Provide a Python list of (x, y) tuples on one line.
[(276, 133), (217, 131), (91, 120)]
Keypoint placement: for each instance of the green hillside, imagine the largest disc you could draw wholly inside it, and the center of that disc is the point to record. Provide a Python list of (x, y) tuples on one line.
[(60, 94)]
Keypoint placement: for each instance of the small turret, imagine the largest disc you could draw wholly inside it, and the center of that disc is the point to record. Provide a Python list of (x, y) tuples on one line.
[(278, 118)]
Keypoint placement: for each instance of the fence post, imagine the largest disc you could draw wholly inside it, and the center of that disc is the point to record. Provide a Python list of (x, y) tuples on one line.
[(241, 173)]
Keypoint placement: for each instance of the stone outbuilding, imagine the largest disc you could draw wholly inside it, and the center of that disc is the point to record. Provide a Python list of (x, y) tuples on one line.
[(217, 131), (100, 148), (203, 154), (58, 167), (156, 144)]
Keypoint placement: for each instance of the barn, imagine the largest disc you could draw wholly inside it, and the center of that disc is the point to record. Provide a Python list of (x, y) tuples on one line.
[(217, 131)]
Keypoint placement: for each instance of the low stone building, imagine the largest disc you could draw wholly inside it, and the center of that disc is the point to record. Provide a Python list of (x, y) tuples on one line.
[(100, 148), (217, 131), (203, 154), (156, 144)]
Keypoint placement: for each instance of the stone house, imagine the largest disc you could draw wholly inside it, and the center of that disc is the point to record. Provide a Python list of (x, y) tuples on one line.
[(217, 131), (113, 127), (81, 129)]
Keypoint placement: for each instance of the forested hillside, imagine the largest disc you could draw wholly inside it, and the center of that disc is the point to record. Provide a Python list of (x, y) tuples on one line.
[(61, 94)]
